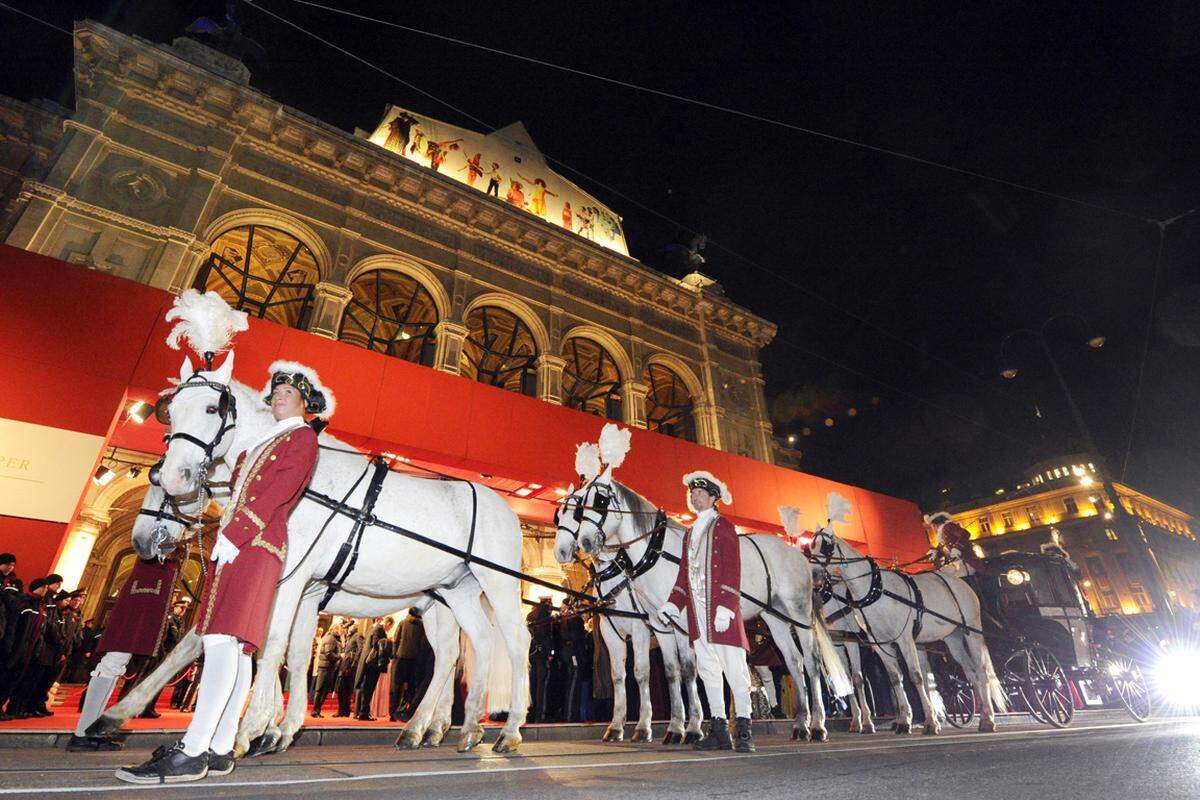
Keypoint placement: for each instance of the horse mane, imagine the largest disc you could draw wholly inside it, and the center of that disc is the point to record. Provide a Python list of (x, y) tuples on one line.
[(643, 508)]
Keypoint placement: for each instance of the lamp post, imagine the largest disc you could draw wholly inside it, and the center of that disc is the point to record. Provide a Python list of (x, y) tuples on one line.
[(1128, 527)]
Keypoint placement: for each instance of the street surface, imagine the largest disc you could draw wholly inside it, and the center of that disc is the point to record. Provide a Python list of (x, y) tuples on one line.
[(1098, 758)]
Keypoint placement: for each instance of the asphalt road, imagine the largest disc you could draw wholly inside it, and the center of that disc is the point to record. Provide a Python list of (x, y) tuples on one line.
[(1095, 759)]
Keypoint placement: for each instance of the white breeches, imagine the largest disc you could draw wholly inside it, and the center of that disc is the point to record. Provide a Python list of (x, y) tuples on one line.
[(224, 685), (716, 660), (100, 688)]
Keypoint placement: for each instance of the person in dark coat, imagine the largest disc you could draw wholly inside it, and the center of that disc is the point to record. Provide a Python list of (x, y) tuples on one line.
[(347, 668), (406, 665), (25, 660), (11, 592), (376, 655), (576, 659), (541, 652), (329, 654)]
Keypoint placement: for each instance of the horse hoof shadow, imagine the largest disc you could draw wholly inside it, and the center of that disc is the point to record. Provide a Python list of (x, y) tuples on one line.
[(796, 734)]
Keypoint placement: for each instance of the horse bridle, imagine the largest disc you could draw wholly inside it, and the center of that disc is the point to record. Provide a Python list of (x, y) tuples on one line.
[(226, 409), (826, 553), (602, 504)]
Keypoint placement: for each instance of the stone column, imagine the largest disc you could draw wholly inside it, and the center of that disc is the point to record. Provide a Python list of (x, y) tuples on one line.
[(549, 378), (708, 424), (633, 403), (450, 337), (328, 305)]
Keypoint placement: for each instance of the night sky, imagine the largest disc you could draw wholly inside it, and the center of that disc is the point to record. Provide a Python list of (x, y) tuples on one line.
[(892, 282)]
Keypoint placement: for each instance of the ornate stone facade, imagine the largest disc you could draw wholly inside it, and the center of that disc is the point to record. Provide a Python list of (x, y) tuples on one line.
[(169, 148)]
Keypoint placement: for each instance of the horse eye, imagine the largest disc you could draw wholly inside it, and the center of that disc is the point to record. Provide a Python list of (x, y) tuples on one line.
[(211, 409)]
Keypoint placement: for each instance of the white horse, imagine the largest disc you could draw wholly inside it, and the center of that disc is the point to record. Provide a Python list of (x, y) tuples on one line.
[(947, 604), (213, 417), (606, 513), (617, 592), (162, 525)]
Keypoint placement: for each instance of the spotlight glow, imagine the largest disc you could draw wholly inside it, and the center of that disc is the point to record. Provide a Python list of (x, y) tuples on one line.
[(1175, 675)]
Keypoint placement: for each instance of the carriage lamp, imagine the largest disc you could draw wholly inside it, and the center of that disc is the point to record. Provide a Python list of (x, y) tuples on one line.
[(1016, 577), (1175, 675)]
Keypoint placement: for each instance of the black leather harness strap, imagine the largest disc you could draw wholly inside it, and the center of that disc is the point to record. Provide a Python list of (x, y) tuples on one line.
[(918, 603), (364, 518)]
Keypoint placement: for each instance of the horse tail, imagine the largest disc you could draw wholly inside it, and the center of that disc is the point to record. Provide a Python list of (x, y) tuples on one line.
[(831, 661), (999, 698)]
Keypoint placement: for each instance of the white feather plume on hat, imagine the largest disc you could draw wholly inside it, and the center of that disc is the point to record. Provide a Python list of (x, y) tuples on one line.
[(937, 518), (838, 507), (614, 445), (790, 516), (587, 460), (205, 320), (313, 378)]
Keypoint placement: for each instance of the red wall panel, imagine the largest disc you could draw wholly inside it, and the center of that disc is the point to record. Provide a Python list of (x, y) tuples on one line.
[(34, 542)]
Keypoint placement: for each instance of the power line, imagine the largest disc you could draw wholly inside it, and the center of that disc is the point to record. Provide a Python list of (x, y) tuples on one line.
[(38, 20), (728, 110)]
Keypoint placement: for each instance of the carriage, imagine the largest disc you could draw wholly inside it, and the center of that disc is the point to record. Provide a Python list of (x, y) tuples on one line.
[(1050, 649)]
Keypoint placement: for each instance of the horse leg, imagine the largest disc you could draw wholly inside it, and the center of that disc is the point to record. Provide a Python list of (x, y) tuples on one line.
[(474, 622), (781, 634), (642, 732), (866, 722), (442, 633), (852, 702), (616, 660), (970, 651), (889, 654), (687, 665), (816, 686), (670, 655), (912, 659), (261, 710), (184, 653), (298, 658)]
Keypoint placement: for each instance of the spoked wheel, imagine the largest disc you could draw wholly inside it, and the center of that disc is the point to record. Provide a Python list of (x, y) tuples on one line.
[(1049, 688), (1129, 683), (957, 694), (1018, 684)]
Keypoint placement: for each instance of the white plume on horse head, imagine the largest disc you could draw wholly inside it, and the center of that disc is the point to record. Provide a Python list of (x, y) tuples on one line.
[(587, 461), (838, 508), (790, 515), (614, 445), (205, 321)]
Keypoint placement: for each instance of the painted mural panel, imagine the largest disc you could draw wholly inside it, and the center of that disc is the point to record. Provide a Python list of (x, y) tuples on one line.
[(505, 164)]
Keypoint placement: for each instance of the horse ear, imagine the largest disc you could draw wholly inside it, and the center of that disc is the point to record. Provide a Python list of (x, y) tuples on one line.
[(185, 369), (225, 372)]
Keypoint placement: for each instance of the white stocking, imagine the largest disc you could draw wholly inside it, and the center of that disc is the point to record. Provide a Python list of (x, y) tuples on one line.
[(218, 681), (222, 741), (100, 688)]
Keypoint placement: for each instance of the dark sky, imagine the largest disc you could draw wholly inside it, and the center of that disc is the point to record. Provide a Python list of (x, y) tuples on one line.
[(923, 271)]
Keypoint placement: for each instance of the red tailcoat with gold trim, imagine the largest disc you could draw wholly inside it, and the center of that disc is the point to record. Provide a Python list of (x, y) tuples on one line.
[(722, 582), (139, 619), (238, 598)]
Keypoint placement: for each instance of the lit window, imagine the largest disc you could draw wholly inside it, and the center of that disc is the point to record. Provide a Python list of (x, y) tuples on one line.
[(1035, 516), (1057, 472), (985, 527), (1007, 516), (1070, 506)]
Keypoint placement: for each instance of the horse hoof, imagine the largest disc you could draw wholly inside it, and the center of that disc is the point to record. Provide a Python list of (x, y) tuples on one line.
[(987, 726), (264, 744), (855, 727), (409, 740), (673, 738), (433, 738), (691, 737), (470, 739), (867, 729), (614, 735), (903, 728), (507, 743), (641, 735), (930, 730), (103, 728), (817, 735)]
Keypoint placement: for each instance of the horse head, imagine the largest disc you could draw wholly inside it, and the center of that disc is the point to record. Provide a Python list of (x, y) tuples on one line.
[(161, 523), (587, 518), (201, 412)]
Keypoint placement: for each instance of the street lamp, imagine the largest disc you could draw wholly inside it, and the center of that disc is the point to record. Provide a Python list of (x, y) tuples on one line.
[(1123, 520)]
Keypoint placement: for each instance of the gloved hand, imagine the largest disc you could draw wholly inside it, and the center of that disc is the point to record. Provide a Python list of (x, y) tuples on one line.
[(224, 551), (668, 612), (722, 619)]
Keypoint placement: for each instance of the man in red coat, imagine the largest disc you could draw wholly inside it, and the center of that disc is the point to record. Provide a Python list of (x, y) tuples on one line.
[(708, 586), (954, 553), (268, 481), (136, 627)]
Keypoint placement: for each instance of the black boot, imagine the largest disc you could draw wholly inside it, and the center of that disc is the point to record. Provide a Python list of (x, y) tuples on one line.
[(717, 737), (745, 739)]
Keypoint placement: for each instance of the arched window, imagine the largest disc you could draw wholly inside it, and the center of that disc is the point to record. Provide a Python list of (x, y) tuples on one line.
[(263, 271), (500, 350), (591, 381), (668, 403), (390, 312)]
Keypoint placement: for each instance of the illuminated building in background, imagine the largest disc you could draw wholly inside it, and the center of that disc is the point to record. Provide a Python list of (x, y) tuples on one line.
[(1062, 498)]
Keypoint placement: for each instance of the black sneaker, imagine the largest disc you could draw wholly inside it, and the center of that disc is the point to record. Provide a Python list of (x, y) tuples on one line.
[(220, 764), (85, 744), (167, 765)]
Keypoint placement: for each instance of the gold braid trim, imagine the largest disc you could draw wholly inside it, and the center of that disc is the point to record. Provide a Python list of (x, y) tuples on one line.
[(278, 552), (255, 468), (212, 599), (135, 589), (257, 520)]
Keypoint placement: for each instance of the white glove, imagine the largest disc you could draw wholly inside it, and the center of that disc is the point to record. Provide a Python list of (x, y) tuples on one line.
[(668, 613), (224, 551), (722, 619)]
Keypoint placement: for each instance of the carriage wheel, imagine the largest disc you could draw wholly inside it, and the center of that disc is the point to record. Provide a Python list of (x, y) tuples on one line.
[(1018, 684), (1127, 680), (957, 694), (1050, 687)]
